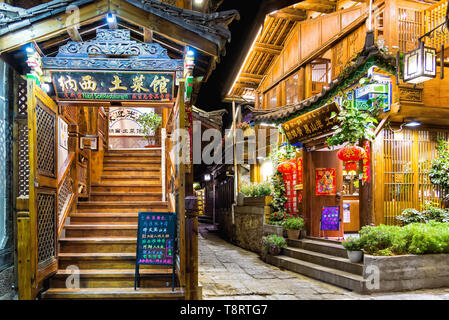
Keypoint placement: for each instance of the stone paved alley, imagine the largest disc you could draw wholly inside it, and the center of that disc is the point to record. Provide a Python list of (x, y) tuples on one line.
[(228, 272)]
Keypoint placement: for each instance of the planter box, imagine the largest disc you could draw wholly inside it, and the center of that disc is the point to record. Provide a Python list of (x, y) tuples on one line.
[(272, 229), (409, 272), (257, 201)]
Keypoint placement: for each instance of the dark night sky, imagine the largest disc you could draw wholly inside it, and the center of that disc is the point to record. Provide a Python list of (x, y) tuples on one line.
[(252, 14)]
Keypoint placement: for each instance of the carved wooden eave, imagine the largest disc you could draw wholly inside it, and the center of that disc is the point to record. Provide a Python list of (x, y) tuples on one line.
[(213, 26), (128, 54), (207, 33)]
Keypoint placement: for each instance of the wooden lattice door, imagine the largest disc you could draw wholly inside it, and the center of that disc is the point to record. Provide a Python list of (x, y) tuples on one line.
[(43, 199)]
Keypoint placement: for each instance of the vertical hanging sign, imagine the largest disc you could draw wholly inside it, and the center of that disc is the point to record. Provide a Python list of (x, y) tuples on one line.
[(366, 162)]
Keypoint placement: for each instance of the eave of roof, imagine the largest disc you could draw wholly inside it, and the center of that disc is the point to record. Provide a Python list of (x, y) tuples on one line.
[(356, 69)]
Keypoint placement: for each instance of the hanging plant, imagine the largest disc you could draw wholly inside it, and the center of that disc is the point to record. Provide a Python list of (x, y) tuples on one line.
[(354, 125)]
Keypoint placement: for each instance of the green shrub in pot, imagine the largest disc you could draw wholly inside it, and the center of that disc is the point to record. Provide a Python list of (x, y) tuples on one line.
[(293, 227)]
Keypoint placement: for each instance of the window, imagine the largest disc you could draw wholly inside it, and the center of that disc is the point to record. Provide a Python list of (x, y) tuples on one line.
[(272, 98), (291, 89)]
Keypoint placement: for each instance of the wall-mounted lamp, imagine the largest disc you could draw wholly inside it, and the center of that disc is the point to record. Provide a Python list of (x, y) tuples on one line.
[(410, 123), (420, 64), (30, 49), (207, 177), (110, 18)]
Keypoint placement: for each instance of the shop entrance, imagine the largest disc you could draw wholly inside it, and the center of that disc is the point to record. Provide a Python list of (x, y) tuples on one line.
[(325, 187)]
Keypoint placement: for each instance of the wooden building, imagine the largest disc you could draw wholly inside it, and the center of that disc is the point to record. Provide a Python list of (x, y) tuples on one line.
[(74, 198), (303, 72)]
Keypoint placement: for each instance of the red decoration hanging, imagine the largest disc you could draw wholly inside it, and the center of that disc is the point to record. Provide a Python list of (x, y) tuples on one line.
[(350, 155), (286, 167)]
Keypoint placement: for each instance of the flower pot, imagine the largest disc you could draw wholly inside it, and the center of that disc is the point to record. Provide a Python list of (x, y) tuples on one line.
[(275, 252), (293, 234), (355, 256)]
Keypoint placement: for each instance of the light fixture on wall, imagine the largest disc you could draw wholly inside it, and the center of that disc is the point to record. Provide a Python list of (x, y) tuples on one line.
[(410, 123), (420, 64), (207, 177), (110, 17)]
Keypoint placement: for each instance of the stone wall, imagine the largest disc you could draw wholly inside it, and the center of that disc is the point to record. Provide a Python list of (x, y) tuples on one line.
[(224, 219), (6, 282), (249, 222), (409, 272)]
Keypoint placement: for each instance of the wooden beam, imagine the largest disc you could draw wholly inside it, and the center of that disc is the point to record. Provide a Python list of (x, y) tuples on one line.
[(249, 77), (290, 14), (74, 34), (268, 48), (57, 41), (317, 5), (147, 35), (170, 30), (243, 85), (52, 27)]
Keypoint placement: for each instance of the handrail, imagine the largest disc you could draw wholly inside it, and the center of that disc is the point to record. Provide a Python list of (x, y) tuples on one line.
[(65, 168)]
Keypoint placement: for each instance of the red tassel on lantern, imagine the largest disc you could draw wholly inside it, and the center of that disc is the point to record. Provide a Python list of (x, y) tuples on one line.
[(350, 155)]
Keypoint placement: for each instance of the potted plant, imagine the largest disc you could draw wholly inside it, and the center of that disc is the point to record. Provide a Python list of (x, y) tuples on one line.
[(257, 194), (293, 227), (272, 244), (150, 123), (354, 248)]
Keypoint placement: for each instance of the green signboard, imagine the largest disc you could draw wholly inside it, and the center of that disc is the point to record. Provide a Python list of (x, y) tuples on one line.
[(114, 86)]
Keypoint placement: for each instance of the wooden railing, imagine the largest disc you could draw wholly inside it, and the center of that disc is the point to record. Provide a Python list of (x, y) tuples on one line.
[(66, 190), (433, 17)]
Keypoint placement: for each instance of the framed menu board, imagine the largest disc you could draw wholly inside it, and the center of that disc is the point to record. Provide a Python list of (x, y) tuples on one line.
[(156, 242)]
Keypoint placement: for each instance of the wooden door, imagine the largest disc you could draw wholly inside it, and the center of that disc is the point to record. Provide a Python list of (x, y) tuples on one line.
[(323, 160), (43, 198)]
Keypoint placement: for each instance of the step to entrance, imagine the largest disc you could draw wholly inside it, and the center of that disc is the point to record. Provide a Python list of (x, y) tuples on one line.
[(323, 260), (97, 245), (133, 178), (115, 293), (126, 196), (129, 187), (96, 230), (99, 260), (333, 276), (121, 206)]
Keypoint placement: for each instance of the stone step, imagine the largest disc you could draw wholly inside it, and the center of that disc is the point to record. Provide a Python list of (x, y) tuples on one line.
[(325, 260), (115, 293), (332, 249), (336, 277), (115, 278)]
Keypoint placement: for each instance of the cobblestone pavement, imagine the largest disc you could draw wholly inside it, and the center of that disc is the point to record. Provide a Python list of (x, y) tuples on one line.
[(228, 272)]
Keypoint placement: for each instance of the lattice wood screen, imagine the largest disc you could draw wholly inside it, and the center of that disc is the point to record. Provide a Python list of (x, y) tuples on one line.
[(407, 159), (46, 153), (22, 126), (46, 227), (434, 16), (411, 27)]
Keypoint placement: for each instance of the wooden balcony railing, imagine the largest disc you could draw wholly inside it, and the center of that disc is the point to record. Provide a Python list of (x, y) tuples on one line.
[(435, 16)]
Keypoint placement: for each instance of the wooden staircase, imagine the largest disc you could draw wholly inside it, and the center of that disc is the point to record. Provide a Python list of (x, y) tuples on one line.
[(100, 237)]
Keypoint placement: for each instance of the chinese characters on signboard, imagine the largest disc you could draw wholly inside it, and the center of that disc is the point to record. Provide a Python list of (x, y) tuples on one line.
[(325, 181), (116, 86), (123, 122), (312, 124), (330, 219), (156, 239)]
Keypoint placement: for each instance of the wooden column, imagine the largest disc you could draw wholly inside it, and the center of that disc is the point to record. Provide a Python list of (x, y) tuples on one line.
[(25, 272)]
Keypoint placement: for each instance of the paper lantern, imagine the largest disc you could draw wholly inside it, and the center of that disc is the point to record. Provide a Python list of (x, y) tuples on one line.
[(420, 64), (350, 155), (286, 167)]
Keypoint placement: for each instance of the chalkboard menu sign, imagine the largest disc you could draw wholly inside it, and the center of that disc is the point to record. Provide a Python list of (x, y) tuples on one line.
[(156, 241), (116, 86)]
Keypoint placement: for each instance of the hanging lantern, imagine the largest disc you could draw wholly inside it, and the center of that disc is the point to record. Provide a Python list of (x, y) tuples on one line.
[(420, 64), (350, 155), (286, 167)]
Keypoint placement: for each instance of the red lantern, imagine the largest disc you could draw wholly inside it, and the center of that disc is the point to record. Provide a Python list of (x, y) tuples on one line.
[(350, 155), (286, 167)]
